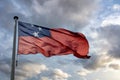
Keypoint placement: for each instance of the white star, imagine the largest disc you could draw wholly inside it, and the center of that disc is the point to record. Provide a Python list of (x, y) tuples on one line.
[(40, 28), (32, 25), (36, 34)]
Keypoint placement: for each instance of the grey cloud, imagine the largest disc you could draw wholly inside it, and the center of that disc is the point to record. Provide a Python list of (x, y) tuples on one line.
[(67, 12), (114, 66), (111, 35), (29, 70), (49, 12), (8, 10), (107, 51), (94, 63), (115, 52), (6, 44), (5, 66), (76, 6), (25, 70), (55, 74)]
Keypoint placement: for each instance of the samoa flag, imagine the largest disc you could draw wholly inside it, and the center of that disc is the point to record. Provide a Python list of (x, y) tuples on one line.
[(34, 39)]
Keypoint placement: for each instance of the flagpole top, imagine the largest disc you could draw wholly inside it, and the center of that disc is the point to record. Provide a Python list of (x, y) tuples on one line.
[(16, 17)]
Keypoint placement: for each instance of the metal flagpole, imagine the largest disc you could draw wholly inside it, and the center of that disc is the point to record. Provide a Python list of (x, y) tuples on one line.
[(14, 49)]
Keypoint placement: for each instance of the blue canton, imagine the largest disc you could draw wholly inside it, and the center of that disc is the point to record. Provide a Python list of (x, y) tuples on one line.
[(26, 29)]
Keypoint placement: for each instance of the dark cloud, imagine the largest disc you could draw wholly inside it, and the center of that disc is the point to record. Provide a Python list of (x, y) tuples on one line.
[(114, 66), (111, 35), (51, 13), (25, 70), (94, 63), (30, 70), (8, 10), (5, 66), (107, 48), (75, 14), (76, 5), (6, 44)]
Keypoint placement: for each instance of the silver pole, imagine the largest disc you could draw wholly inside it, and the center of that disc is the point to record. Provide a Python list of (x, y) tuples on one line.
[(14, 50)]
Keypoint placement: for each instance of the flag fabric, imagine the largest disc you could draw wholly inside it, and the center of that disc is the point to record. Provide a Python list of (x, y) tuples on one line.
[(35, 39)]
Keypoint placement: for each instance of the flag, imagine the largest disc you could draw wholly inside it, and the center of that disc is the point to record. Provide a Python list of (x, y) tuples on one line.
[(35, 39)]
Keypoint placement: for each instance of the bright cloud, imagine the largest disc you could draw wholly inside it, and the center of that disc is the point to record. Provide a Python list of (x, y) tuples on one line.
[(29, 70), (83, 72), (45, 78), (113, 19), (116, 7), (55, 74), (60, 75)]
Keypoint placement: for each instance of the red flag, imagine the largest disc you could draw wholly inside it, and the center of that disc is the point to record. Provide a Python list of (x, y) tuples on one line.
[(35, 39)]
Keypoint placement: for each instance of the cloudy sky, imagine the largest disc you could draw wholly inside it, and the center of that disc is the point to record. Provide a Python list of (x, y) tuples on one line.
[(99, 20)]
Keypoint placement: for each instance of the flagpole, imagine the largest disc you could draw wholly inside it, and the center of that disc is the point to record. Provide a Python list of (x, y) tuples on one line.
[(14, 49)]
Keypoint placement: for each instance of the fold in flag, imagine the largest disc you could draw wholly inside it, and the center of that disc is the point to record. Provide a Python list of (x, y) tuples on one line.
[(35, 39)]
